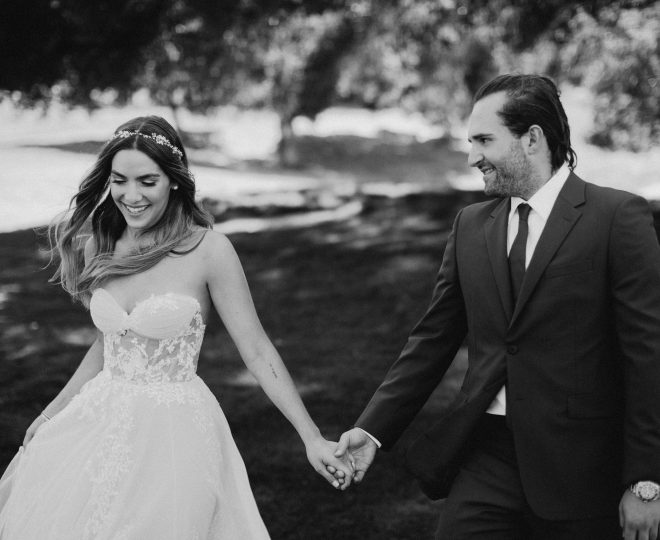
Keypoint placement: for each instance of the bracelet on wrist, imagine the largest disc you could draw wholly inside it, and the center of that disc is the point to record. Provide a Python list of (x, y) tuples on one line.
[(45, 416)]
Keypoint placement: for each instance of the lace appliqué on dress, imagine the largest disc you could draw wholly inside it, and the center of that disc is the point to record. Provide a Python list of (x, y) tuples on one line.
[(107, 466), (144, 360), (158, 369)]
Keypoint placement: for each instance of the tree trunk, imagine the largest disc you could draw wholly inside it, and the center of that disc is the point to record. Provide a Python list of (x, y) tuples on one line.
[(287, 151), (175, 116)]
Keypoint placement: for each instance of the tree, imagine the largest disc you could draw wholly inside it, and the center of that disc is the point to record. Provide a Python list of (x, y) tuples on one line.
[(301, 61), (422, 55), (298, 57), (282, 55), (74, 47), (610, 46), (617, 55)]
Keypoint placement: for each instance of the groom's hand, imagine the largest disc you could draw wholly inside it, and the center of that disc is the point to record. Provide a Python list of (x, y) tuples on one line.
[(362, 449), (320, 453), (639, 520)]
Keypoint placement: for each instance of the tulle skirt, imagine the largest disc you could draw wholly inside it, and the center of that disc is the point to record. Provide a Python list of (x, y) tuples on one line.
[(127, 461)]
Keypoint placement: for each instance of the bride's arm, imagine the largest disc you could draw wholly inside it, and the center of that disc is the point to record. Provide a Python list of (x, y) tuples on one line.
[(231, 297), (91, 365)]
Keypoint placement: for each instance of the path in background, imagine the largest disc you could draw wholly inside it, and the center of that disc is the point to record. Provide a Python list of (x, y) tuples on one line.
[(345, 151)]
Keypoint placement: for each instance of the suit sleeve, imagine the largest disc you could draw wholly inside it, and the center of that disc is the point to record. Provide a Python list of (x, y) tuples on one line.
[(634, 262), (428, 353)]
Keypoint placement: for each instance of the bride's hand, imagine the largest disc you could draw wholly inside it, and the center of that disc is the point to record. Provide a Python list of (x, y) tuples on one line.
[(34, 426), (336, 471)]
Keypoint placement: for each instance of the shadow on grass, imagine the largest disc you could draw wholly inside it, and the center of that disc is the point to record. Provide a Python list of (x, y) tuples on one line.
[(338, 301)]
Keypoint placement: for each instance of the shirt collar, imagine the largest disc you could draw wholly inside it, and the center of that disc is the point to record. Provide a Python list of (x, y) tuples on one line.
[(544, 199)]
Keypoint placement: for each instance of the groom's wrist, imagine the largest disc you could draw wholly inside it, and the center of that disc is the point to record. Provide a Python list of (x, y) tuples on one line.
[(376, 441)]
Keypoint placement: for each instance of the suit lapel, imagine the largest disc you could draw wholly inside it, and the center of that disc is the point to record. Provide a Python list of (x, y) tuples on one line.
[(561, 220), (496, 232)]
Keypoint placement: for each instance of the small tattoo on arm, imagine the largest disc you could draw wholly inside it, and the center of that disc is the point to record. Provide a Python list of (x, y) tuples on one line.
[(272, 369)]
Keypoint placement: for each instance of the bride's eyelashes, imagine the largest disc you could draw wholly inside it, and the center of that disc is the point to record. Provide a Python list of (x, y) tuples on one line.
[(152, 181)]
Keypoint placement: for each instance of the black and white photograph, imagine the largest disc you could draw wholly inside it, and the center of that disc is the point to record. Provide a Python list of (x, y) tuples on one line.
[(329, 269)]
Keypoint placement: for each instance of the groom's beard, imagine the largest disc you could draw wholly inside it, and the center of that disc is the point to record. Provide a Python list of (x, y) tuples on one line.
[(512, 177)]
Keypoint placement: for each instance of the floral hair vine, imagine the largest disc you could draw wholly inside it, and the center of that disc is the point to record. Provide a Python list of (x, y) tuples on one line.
[(158, 139)]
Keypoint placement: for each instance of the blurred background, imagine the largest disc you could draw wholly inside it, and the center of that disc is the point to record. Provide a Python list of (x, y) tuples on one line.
[(328, 139)]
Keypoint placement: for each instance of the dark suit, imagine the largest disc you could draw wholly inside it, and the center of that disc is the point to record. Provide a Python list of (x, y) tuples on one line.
[(579, 352)]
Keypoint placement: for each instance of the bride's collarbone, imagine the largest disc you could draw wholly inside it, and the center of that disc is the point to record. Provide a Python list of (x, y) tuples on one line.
[(182, 275)]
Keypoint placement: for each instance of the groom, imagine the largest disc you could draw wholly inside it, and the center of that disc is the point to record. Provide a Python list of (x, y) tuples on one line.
[(555, 432)]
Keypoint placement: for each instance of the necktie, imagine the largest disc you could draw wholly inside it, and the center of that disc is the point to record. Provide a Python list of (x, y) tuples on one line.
[(517, 253)]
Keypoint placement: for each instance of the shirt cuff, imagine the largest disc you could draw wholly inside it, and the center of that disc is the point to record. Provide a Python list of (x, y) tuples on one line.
[(371, 437)]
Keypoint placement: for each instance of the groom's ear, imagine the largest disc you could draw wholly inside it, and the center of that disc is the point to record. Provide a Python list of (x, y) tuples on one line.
[(534, 140)]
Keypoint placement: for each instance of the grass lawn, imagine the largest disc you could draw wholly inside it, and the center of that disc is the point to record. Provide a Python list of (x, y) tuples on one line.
[(337, 299)]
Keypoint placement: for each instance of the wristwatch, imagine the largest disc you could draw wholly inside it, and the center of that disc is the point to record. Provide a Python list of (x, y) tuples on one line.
[(646, 491)]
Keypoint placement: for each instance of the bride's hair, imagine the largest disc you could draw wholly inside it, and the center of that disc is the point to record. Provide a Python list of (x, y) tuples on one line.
[(93, 211)]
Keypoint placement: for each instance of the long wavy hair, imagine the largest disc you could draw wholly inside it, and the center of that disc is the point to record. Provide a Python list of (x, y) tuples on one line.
[(92, 211)]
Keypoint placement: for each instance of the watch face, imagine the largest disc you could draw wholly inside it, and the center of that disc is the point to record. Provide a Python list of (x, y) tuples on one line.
[(648, 490)]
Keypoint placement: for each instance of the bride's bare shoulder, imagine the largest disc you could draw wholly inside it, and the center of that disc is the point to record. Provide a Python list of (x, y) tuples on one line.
[(219, 256), (192, 241), (216, 244)]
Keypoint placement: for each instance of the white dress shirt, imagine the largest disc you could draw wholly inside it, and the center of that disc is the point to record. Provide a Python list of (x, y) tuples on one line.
[(541, 204)]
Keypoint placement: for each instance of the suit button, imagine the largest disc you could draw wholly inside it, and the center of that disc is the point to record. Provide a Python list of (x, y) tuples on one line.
[(512, 349)]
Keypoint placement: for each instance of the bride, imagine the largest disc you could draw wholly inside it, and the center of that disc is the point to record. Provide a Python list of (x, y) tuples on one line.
[(135, 445)]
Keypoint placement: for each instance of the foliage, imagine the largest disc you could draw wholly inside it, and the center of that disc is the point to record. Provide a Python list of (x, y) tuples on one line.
[(299, 57), (610, 46), (419, 55), (285, 56), (618, 56), (71, 48)]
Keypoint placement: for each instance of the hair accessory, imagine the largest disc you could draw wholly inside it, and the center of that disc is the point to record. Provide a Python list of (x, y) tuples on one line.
[(158, 139)]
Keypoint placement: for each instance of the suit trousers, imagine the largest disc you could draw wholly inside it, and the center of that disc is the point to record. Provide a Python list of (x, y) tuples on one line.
[(487, 501)]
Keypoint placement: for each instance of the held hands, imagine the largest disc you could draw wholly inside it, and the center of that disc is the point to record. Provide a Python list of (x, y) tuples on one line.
[(639, 520), (360, 450), (337, 471)]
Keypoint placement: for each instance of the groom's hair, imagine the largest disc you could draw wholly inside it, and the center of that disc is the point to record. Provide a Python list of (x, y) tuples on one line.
[(534, 99)]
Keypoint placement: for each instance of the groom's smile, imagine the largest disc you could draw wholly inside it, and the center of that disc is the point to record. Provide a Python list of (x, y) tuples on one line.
[(495, 150)]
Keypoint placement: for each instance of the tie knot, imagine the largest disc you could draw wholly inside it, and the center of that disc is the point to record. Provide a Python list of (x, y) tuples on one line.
[(523, 211)]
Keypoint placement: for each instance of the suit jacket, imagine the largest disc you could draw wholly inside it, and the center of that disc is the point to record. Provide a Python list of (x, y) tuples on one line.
[(579, 352)]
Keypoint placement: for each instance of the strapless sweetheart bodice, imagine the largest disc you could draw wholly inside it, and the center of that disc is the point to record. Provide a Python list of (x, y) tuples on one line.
[(158, 341)]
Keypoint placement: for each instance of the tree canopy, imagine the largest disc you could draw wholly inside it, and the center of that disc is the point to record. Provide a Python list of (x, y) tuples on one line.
[(300, 56)]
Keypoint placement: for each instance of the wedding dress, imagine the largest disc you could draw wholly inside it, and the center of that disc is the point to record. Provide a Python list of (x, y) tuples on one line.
[(143, 451)]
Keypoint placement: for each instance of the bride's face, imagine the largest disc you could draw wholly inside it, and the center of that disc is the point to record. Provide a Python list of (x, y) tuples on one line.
[(139, 188)]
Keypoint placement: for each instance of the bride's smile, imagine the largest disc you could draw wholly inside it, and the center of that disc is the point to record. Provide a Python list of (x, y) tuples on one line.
[(139, 188)]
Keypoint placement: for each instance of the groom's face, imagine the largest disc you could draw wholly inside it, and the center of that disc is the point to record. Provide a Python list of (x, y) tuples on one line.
[(495, 151)]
